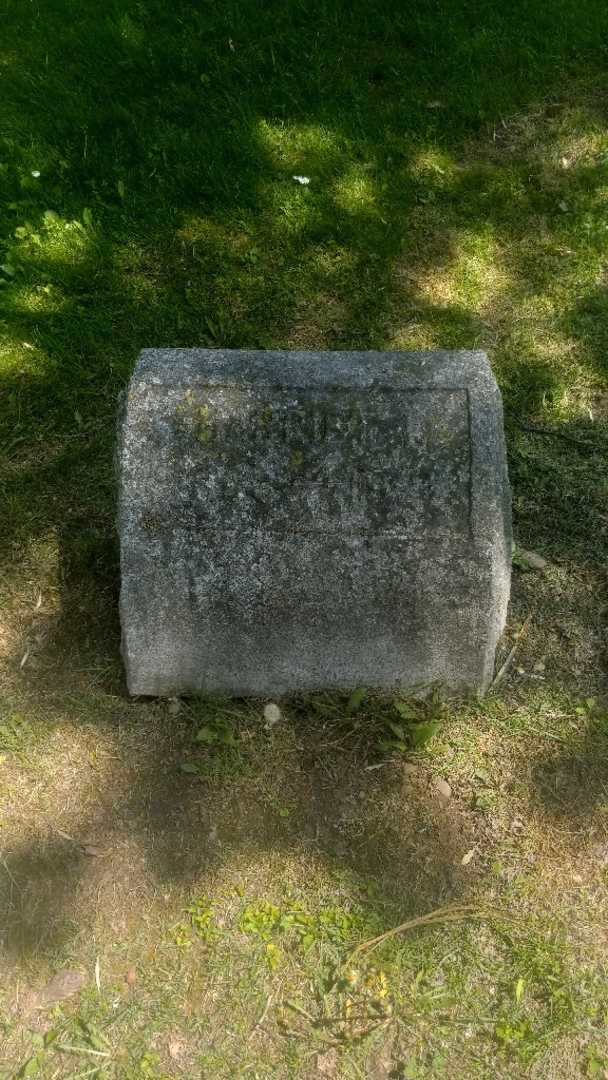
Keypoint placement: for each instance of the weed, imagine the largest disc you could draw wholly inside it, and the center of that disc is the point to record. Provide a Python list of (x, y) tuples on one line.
[(219, 748), (596, 1063), (419, 722), (16, 734), (331, 925), (147, 1068), (201, 918)]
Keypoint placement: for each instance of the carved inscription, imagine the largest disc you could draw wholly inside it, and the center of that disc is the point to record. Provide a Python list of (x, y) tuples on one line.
[(326, 460)]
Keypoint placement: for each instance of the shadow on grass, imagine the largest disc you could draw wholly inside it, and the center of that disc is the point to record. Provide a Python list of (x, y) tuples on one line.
[(571, 782), (309, 794)]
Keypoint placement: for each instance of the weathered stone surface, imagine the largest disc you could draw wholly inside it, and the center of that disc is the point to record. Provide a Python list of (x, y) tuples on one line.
[(292, 521)]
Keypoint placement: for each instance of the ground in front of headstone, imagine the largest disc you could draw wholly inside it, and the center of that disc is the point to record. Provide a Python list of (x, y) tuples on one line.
[(195, 887)]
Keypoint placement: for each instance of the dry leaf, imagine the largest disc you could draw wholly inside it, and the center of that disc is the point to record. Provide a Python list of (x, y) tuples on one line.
[(65, 835), (64, 984), (466, 859), (94, 851), (444, 791), (533, 560), (272, 714), (131, 977)]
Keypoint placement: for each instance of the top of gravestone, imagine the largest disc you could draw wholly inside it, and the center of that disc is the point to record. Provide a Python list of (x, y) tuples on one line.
[(458, 368)]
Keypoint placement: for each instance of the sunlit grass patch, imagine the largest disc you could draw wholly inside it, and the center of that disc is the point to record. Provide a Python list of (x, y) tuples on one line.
[(475, 275), (40, 300), (434, 163), (355, 191), (49, 241), (311, 150), (20, 357)]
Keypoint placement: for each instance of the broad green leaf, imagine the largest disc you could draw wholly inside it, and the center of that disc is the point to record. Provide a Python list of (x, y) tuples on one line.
[(206, 734), (408, 712), (392, 744), (30, 1068), (422, 733), (356, 699)]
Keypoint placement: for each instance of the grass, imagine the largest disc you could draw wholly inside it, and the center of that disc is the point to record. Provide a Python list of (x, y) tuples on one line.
[(457, 157)]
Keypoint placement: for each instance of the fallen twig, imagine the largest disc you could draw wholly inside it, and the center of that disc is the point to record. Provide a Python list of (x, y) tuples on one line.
[(455, 913), (81, 1050), (298, 1009), (264, 1012), (500, 674), (587, 444), (10, 876)]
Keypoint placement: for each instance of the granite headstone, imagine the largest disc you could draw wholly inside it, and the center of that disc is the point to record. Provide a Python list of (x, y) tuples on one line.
[(295, 521)]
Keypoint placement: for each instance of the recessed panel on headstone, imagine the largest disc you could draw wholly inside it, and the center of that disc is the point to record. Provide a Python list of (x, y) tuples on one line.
[(297, 521)]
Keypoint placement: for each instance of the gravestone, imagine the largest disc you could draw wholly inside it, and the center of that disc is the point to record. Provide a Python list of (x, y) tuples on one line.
[(295, 521)]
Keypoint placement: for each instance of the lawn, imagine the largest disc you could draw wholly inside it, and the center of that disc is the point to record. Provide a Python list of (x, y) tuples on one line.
[(301, 174)]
